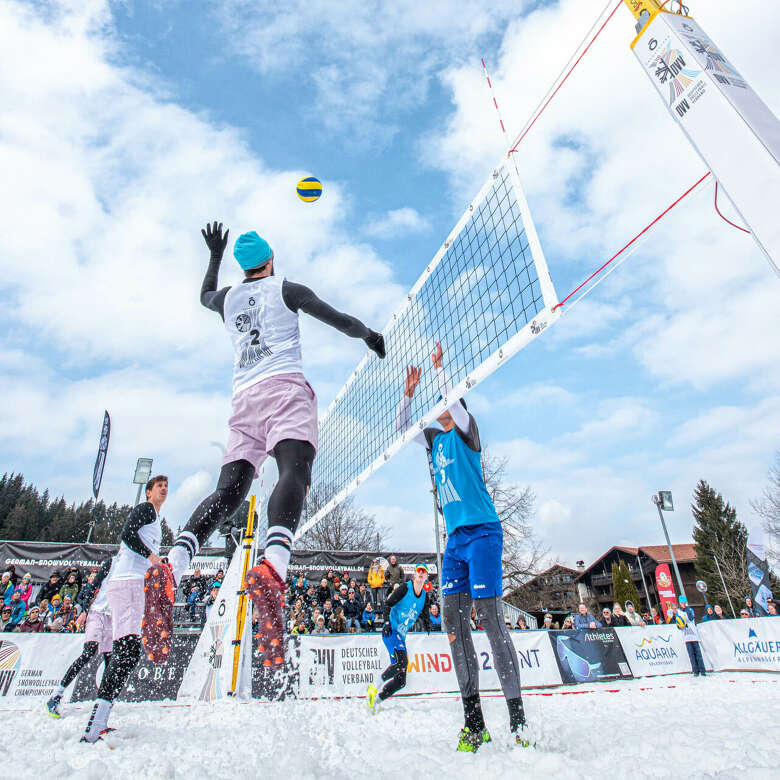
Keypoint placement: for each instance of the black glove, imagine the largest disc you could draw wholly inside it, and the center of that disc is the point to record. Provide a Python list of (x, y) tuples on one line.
[(214, 239), (376, 342)]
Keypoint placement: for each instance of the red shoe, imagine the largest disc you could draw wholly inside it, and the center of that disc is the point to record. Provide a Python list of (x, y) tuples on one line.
[(157, 623), (266, 589)]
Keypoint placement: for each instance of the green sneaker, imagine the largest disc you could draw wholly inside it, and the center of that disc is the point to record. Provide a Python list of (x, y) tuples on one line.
[(470, 741), (524, 737), (371, 696)]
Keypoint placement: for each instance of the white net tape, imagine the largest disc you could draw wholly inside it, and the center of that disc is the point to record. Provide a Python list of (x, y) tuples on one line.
[(485, 294)]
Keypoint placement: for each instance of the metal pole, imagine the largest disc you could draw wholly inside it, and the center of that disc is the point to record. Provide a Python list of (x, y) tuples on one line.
[(644, 584), (436, 526), (725, 590), (138, 495), (671, 551)]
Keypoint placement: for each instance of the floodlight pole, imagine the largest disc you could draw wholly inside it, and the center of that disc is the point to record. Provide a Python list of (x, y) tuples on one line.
[(644, 584), (657, 502)]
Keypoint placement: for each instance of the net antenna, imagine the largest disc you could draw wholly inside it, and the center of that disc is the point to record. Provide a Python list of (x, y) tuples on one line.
[(485, 295)]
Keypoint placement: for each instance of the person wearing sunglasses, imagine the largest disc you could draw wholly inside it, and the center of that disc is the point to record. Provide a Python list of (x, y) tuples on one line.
[(472, 571), (407, 603)]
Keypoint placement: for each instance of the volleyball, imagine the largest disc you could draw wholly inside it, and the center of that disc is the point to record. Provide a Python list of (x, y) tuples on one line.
[(681, 621), (309, 189)]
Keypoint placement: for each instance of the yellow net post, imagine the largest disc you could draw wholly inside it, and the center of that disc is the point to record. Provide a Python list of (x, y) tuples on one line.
[(242, 597)]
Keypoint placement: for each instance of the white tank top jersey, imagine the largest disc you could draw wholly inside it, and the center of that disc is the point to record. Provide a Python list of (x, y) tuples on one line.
[(100, 604), (129, 565), (265, 333)]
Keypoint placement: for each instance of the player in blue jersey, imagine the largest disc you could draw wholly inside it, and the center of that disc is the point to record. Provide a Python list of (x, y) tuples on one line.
[(407, 603), (472, 569)]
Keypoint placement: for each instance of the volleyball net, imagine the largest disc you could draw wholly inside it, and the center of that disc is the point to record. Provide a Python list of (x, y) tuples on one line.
[(486, 293)]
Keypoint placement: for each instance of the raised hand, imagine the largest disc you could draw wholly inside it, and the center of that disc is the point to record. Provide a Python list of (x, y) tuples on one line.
[(413, 374), (376, 342), (214, 239), (436, 356)]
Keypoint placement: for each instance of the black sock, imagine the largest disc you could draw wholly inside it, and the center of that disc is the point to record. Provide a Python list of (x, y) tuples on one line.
[(516, 713), (472, 709)]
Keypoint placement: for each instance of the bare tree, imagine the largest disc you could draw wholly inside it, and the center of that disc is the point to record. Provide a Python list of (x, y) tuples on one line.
[(768, 508), (523, 551), (345, 527)]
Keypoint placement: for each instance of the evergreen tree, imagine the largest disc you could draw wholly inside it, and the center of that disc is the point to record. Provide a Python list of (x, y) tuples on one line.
[(718, 532), (623, 586)]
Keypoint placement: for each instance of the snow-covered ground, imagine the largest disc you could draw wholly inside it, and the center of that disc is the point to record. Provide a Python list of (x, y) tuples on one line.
[(722, 726)]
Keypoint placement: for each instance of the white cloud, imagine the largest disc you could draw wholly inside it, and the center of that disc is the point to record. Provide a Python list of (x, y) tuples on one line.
[(396, 223)]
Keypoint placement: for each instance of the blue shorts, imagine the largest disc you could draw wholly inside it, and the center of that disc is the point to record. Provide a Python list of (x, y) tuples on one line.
[(393, 641), (472, 561)]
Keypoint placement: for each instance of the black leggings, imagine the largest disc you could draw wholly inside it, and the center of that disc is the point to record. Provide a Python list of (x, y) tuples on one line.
[(294, 460), (89, 650), (124, 657), (395, 675)]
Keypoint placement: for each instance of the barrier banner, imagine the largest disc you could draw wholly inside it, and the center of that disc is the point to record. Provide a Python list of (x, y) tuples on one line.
[(344, 665), (665, 588), (654, 650), (745, 643), (148, 681), (32, 665), (589, 655)]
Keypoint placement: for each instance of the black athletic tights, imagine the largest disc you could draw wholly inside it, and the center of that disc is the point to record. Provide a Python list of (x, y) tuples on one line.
[(90, 648), (294, 460), (124, 657), (395, 675)]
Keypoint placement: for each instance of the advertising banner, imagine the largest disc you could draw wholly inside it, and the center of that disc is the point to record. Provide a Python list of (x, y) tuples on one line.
[(758, 571), (654, 650), (665, 587), (100, 461), (344, 665), (749, 643), (589, 655), (32, 665)]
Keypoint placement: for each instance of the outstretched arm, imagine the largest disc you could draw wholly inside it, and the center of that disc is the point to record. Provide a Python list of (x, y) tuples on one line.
[(299, 297), (403, 416), (459, 415), (210, 297)]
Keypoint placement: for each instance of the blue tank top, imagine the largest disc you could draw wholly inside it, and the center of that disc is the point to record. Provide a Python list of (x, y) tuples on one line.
[(460, 484), (405, 613)]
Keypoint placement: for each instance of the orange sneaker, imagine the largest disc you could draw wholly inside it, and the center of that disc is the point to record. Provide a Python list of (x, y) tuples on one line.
[(266, 589), (157, 623)]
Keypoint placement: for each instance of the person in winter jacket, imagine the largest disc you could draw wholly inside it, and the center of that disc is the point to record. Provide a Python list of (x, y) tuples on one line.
[(338, 625), (369, 618), (684, 619), (319, 627), (87, 592), (395, 573), (750, 607), (353, 610), (632, 616), (70, 588), (6, 624), (68, 613), (50, 588), (6, 588), (435, 617), (32, 624), (709, 613), (323, 593), (583, 619), (618, 616), (300, 628), (18, 608)]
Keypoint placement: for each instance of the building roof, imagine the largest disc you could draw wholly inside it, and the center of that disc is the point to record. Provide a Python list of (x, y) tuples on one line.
[(684, 553), (554, 567)]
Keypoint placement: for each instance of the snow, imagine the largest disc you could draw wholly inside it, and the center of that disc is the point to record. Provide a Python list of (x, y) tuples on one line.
[(723, 726)]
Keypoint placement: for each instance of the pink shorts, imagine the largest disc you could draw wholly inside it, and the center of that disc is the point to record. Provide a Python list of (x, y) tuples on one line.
[(126, 599), (280, 407), (98, 629)]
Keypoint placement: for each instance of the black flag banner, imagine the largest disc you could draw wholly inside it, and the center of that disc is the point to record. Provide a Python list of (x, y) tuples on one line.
[(100, 462)]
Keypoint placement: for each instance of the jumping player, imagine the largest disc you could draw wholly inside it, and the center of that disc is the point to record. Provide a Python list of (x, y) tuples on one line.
[(471, 569), (139, 547), (98, 637), (274, 413), (407, 603)]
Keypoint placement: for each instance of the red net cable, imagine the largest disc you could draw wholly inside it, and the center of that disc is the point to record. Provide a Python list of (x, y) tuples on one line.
[(577, 62), (635, 238), (726, 219)]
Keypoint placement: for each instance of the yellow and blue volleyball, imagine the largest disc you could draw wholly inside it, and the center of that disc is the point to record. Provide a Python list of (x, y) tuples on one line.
[(680, 621), (309, 189)]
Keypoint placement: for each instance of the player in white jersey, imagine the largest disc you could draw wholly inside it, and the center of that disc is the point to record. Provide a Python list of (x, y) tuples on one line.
[(139, 547), (98, 638), (274, 413)]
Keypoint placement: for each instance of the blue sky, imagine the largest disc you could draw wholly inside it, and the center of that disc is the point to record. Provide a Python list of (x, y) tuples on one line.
[(128, 125)]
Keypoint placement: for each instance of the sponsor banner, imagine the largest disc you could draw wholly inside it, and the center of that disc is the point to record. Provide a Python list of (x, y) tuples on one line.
[(665, 587), (32, 665), (208, 564), (758, 571), (745, 643), (148, 681), (589, 655), (100, 461), (654, 650), (344, 665), (316, 563)]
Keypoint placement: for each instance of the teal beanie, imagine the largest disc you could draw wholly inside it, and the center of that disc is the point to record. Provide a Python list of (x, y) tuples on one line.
[(250, 250)]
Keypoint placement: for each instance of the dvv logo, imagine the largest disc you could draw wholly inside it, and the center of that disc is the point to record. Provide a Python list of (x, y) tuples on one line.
[(10, 660)]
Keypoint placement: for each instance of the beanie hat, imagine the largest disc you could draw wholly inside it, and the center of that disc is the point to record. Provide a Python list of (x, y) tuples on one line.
[(251, 251), (683, 600)]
